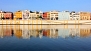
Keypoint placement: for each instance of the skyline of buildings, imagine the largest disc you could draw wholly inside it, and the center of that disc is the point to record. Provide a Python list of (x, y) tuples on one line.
[(49, 15)]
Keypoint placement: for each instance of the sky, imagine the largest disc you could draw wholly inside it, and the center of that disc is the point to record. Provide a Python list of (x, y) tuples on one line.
[(46, 5)]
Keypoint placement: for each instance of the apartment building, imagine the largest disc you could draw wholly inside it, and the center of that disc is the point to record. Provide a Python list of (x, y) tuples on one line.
[(74, 16), (1, 14), (8, 15), (46, 15), (18, 15), (33, 15), (54, 15), (25, 14), (84, 16), (64, 15)]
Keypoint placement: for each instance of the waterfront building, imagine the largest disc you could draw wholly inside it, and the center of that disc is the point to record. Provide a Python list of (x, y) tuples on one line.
[(25, 14), (64, 15), (33, 15), (54, 15), (90, 16), (39, 14), (1, 14), (46, 15), (74, 16), (18, 15), (8, 15), (84, 16)]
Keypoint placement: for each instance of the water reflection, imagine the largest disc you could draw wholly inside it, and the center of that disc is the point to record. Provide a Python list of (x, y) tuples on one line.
[(29, 31)]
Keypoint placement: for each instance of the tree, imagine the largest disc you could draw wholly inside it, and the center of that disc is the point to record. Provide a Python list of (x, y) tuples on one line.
[(39, 17)]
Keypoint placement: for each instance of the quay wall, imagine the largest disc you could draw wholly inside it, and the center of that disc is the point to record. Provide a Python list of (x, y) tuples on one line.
[(46, 22)]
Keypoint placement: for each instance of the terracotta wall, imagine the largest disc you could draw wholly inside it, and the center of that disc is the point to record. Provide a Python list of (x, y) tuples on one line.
[(8, 15)]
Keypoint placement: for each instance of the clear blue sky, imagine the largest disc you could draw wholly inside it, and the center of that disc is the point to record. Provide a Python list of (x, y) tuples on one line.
[(46, 5)]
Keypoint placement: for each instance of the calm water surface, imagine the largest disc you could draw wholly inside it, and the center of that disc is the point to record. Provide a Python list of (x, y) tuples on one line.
[(45, 38)]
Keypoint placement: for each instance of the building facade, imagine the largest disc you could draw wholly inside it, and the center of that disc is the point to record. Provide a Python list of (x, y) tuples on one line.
[(74, 16), (39, 14), (45, 15), (84, 16), (33, 15), (64, 15), (8, 15), (54, 15), (90, 16), (25, 14), (18, 15), (1, 14)]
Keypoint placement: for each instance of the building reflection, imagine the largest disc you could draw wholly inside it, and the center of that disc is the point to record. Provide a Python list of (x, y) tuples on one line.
[(85, 32), (6, 32), (23, 33), (18, 33)]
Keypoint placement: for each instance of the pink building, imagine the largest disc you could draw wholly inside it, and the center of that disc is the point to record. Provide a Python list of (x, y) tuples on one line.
[(8, 15)]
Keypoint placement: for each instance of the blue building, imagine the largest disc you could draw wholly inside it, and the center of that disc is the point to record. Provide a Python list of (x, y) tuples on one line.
[(65, 15)]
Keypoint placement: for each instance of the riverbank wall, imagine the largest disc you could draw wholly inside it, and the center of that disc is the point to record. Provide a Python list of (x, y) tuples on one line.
[(45, 22)]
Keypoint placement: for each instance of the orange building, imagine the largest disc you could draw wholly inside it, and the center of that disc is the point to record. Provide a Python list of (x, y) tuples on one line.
[(46, 15), (84, 16), (18, 15)]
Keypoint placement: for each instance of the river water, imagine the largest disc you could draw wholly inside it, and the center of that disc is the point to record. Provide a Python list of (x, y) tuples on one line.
[(45, 38)]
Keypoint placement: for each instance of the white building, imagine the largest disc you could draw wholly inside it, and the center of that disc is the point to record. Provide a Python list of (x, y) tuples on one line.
[(54, 15), (64, 15), (34, 15), (25, 14), (74, 16)]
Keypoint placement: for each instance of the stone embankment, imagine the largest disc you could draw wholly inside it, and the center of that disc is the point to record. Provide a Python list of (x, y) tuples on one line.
[(45, 22)]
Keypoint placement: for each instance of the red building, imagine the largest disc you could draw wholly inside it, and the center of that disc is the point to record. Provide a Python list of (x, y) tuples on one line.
[(8, 15), (45, 15)]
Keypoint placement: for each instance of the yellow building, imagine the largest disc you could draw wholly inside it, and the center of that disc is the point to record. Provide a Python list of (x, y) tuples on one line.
[(18, 15), (84, 16)]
